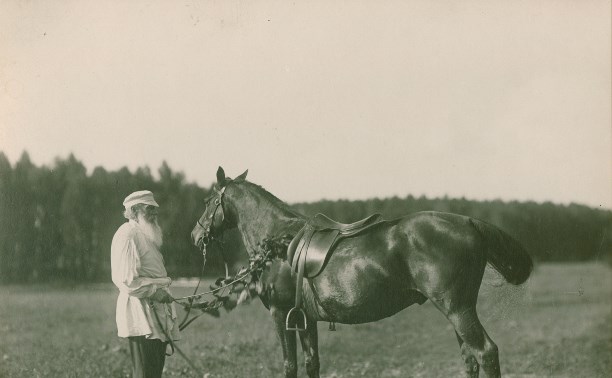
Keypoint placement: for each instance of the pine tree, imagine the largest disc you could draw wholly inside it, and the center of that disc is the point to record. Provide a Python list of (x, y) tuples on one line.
[(7, 211)]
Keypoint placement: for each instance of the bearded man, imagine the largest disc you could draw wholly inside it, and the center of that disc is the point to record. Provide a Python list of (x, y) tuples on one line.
[(145, 312)]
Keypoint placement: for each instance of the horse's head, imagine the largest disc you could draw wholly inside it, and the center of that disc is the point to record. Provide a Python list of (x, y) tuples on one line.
[(215, 219)]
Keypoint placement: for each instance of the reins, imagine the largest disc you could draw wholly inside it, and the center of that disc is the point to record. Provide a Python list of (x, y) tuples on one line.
[(174, 346), (190, 298), (184, 322)]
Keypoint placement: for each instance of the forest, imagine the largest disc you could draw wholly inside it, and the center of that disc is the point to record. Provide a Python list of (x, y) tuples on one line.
[(57, 221)]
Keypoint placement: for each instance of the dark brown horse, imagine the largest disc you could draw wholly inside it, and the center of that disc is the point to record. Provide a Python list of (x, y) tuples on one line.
[(375, 274)]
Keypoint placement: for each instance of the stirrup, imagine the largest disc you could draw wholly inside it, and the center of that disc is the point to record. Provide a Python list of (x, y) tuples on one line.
[(297, 327)]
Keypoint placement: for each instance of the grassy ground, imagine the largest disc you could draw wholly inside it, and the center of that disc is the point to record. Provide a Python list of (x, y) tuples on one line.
[(559, 325)]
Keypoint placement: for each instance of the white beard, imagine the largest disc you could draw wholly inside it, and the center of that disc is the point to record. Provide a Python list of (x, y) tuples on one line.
[(152, 231)]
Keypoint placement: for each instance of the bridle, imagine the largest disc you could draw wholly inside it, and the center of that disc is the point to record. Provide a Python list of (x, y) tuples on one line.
[(207, 236), (206, 239)]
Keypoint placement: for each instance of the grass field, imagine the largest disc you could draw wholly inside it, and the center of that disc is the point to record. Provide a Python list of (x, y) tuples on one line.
[(558, 325)]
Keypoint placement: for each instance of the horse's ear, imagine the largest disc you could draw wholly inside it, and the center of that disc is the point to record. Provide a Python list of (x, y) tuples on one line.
[(221, 177), (242, 177)]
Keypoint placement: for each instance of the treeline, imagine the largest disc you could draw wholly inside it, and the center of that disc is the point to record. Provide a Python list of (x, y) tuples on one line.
[(57, 222)]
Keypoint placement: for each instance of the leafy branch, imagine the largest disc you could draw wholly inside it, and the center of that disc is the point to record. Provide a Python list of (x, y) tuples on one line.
[(228, 292)]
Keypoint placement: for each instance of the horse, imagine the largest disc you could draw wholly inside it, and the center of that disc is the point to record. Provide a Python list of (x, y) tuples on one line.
[(372, 275)]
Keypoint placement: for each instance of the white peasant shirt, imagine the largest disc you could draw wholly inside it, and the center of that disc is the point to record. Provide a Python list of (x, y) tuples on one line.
[(138, 271)]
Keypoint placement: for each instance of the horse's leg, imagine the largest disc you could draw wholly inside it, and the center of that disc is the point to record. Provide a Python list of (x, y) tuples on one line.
[(310, 347), (287, 340), (476, 342), (471, 365)]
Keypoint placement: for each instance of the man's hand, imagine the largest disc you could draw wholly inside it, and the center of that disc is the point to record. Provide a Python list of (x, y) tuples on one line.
[(162, 296)]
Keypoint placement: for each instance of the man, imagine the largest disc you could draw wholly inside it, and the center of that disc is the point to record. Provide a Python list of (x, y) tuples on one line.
[(145, 312)]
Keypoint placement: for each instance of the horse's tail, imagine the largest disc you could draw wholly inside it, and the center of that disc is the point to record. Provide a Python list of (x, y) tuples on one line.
[(504, 253)]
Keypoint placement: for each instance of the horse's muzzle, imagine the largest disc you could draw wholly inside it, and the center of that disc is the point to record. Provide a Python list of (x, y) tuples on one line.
[(199, 238)]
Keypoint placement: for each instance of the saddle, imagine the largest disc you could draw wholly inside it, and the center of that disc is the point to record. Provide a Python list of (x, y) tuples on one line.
[(314, 243), (311, 248)]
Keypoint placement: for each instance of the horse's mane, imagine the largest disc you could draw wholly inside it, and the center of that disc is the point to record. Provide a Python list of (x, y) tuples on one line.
[(270, 197)]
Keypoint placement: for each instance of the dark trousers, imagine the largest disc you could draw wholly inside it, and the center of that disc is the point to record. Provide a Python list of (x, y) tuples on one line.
[(148, 357)]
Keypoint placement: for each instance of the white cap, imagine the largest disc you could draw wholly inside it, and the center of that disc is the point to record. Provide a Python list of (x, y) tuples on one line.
[(142, 196)]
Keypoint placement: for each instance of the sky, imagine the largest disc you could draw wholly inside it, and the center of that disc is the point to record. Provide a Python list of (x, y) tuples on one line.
[(320, 100)]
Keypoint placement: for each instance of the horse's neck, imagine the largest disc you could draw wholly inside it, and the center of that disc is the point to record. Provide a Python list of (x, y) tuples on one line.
[(259, 228), (266, 220)]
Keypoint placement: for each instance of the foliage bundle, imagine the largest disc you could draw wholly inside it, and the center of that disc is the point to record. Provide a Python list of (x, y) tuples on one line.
[(228, 292)]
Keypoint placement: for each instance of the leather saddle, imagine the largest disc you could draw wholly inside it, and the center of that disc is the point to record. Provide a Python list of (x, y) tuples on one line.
[(310, 250), (316, 240)]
